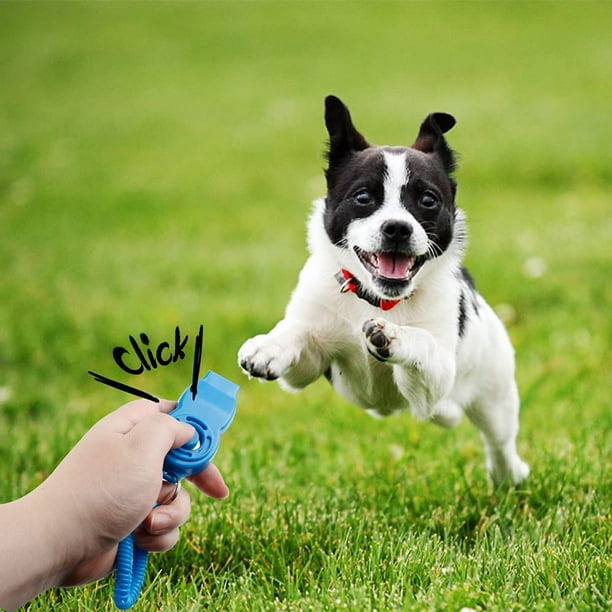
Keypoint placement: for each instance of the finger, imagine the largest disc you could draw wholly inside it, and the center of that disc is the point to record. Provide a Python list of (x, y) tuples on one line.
[(155, 435), (156, 543), (210, 481), (127, 416), (164, 519)]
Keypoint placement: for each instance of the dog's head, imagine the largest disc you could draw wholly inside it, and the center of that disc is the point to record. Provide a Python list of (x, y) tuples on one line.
[(389, 210)]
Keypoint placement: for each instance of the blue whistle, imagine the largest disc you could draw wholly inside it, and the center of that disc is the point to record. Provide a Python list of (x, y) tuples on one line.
[(210, 414)]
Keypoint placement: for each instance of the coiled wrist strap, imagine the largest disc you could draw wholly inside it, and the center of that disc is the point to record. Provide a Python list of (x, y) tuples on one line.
[(130, 569)]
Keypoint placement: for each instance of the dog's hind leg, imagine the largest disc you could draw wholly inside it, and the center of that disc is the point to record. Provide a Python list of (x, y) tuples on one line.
[(497, 419), (446, 413)]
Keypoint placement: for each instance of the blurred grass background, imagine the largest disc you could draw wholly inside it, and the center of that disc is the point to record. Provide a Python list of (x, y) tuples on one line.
[(157, 160)]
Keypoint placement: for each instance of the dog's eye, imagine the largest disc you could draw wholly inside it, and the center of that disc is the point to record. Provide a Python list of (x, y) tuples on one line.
[(428, 200), (363, 197)]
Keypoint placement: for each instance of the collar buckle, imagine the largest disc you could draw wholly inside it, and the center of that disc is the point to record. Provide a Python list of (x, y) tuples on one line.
[(348, 282)]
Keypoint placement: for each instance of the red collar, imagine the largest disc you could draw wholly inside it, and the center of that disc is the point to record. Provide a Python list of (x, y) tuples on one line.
[(350, 283)]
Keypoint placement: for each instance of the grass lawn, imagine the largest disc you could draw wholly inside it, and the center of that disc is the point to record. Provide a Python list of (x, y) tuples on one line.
[(157, 161)]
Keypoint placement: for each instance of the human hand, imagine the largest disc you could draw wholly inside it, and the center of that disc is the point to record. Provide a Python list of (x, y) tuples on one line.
[(107, 485)]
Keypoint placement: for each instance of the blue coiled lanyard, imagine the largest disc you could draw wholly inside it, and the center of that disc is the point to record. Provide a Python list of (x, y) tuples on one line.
[(210, 412)]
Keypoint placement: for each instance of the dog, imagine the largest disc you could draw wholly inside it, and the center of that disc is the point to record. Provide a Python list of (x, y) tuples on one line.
[(383, 307)]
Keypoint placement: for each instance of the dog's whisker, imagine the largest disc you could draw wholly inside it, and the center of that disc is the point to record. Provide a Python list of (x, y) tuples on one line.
[(433, 249)]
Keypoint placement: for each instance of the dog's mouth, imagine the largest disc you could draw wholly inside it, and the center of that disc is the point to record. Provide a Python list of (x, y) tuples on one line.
[(390, 266)]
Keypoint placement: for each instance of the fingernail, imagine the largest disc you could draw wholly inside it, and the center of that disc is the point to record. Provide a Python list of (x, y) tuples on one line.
[(160, 522)]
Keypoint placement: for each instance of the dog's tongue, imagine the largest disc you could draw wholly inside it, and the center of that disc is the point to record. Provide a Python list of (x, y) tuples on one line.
[(394, 265)]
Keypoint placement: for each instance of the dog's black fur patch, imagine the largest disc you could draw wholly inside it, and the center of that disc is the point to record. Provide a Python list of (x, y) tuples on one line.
[(467, 299)]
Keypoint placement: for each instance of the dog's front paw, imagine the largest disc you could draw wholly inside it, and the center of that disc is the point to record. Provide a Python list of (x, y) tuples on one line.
[(378, 338), (263, 358)]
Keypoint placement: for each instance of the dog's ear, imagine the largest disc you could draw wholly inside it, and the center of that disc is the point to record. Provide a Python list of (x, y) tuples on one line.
[(343, 137), (431, 138)]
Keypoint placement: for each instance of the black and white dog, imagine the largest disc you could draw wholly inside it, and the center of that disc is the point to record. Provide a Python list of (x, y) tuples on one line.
[(383, 306)]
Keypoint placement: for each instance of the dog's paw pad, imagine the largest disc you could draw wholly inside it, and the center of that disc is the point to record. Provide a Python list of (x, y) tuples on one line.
[(257, 370), (377, 340)]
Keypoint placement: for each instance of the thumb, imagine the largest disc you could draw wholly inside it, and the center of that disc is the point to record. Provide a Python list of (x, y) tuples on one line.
[(156, 434)]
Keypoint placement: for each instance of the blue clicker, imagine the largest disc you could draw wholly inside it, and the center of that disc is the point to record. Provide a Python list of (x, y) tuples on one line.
[(210, 413)]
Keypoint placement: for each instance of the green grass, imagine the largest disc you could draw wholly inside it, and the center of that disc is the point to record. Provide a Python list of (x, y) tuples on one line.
[(156, 166)]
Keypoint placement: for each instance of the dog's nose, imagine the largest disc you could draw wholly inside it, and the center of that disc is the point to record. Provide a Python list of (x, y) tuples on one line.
[(396, 230)]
